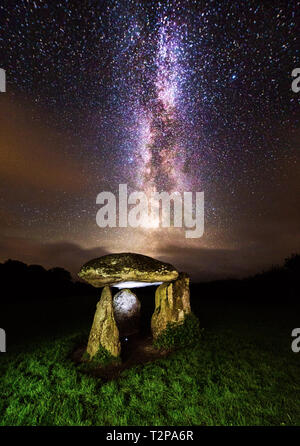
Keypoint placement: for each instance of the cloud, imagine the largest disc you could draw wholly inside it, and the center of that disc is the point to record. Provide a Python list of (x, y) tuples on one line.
[(64, 254), (200, 263), (213, 264), (208, 264)]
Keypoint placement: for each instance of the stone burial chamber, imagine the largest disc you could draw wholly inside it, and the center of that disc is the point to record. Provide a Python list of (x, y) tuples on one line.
[(119, 316)]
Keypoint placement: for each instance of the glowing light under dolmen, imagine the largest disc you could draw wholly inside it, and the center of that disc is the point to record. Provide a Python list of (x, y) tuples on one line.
[(133, 284)]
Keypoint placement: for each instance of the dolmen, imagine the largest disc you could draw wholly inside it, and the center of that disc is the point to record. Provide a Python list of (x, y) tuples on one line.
[(119, 315)]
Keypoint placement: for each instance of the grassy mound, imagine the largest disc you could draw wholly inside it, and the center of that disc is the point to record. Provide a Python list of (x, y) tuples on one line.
[(233, 376)]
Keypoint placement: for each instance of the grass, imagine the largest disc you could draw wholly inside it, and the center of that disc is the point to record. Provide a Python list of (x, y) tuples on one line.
[(242, 372)]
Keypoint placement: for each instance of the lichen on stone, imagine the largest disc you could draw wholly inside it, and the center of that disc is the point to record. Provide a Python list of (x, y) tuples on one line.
[(114, 268), (172, 304), (104, 332)]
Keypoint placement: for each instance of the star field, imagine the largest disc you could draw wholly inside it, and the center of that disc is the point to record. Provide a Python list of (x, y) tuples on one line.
[(174, 95)]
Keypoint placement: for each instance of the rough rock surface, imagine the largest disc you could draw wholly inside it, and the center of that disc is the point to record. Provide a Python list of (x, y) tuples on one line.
[(127, 312), (104, 331), (172, 303), (126, 267)]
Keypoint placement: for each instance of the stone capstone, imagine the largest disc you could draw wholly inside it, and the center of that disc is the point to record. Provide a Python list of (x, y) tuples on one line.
[(113, 269)]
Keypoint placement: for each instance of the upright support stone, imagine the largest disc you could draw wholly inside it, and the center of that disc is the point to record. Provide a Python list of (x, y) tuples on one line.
[(104, 331), (172, 304)]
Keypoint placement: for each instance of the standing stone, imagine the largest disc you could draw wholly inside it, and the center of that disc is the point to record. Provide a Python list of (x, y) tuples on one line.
[(127, 312), (104, 331), (172, 304)]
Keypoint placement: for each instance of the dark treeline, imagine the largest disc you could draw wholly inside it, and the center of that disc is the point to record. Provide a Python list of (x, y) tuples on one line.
[(22, 282), (278, 284), (59, 304)]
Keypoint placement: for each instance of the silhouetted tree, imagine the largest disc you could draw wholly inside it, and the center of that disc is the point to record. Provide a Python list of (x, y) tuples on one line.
[(292, 263), (60, 274), (21, 282)]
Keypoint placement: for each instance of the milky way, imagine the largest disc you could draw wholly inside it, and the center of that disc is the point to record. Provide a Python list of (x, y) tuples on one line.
[(161, 153), (174, 95)]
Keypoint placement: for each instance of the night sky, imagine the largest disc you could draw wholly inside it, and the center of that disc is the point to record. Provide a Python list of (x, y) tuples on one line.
[(171, 95)]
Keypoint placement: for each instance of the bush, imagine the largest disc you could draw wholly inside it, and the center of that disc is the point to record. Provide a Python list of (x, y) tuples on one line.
[(185, 334)]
